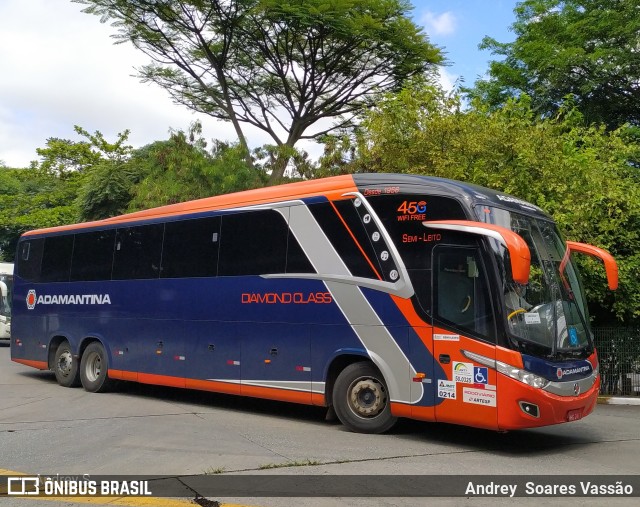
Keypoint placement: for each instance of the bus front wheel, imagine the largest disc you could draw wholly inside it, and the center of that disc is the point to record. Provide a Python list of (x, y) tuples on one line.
[(361, 399), (65, 366), (93, 369)]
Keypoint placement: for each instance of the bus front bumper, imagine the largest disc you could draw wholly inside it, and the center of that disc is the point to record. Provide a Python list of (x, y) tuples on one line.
[(522, 406)]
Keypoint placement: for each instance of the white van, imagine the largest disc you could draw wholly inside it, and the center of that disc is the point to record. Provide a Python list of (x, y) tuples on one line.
[(6, 286)]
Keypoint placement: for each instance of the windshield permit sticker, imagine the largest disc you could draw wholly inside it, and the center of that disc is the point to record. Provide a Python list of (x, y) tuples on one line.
[(532, 318), (463, 372), (573, 337)]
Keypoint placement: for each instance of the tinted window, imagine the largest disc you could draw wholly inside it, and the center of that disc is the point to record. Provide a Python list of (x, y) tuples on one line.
[(297, 260), (342, 240), (56, 259), (29, 259), (461, 291), (191, 248), (363, 234), (138, 252), (93, 256), (253, 243), (403, 214)]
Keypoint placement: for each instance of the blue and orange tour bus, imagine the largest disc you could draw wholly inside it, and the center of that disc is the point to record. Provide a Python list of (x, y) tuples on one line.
[(379, 295)]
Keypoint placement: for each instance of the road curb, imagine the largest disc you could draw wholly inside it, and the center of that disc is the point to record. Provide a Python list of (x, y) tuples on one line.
[(618, 400)]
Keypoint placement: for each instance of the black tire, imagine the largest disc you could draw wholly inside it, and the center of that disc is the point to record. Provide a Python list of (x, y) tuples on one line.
[(361, 399), (65, 366), (93, 369)]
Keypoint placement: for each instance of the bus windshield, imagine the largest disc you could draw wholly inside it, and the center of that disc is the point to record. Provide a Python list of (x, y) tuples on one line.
[(551, 310)]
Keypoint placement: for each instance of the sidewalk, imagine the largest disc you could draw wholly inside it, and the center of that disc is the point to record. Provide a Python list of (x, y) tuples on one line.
[(619, 400)]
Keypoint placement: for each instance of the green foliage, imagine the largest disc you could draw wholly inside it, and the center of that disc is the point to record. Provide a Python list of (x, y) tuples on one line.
[(579, 174), (32, 199), (107, 189), (583, 49), (62, 156), (181, 169), (94, 179), (98, 165), (280, 66)]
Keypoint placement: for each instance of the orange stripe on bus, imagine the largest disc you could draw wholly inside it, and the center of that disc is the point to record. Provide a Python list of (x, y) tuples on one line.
[(512, 357), (331, 188), (318, 400), (400, 409), (216, 386), (161, 380), (272, 393), (422, 329), (213, 386), (131, 376), (41, 365)]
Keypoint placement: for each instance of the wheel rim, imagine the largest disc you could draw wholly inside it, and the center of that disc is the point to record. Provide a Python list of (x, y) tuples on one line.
[(93, 367), (367, 397), (65, 363)]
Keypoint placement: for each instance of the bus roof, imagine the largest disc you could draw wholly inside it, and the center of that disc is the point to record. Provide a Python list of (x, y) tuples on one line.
[(473, 194), (332, 188)]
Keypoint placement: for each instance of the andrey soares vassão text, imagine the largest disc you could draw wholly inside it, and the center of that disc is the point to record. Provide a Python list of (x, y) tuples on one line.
[(580, 488)]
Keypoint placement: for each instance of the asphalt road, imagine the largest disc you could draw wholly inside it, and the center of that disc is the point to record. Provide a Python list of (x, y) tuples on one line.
[(149, 430)]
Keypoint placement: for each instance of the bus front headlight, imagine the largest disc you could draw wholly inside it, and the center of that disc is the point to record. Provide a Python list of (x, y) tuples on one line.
[(524, 376)]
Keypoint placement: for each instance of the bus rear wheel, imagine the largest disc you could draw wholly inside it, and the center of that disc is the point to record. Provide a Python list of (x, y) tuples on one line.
[(65, 366), (93, 369), (361, 399)]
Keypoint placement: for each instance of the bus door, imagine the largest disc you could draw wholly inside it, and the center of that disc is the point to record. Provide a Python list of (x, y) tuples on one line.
[(463, 329)]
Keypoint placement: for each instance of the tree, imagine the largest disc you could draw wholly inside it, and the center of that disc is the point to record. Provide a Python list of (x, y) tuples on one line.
[(53, 190), (32, 199), (583, 49), (63, 156), (578, 173), (286, 67), (98, 165), (181, 169)]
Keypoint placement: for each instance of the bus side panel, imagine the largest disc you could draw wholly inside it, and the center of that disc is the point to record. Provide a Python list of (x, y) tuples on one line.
[(276, 355), (32, 329), (164, 350), (214, 354), (469, 390), (27, 338), (417, 345), (330, 342)]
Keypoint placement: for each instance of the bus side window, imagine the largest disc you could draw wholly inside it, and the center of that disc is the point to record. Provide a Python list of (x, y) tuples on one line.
[(297, 260), (29, 259), (191, 248), (350, 244), (137, 252), (56, 258), (93, 256), (253, 243), (461, 291)]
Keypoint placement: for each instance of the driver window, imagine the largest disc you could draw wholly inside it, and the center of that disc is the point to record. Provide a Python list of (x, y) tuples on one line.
[(461, 292)]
